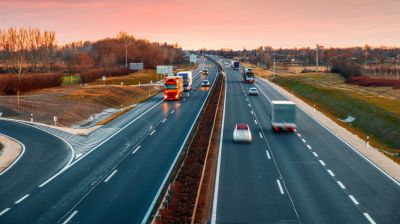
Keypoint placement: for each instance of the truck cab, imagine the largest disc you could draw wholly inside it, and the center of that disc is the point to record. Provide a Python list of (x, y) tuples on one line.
[(173, 88)]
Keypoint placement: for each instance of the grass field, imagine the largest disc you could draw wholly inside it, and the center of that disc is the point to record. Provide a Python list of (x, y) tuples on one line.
[(135, 78), (377, 110), (71, 80)]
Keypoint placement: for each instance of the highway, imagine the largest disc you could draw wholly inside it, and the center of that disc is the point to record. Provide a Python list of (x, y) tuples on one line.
[(120, 180), (42, 156), (309, 176)]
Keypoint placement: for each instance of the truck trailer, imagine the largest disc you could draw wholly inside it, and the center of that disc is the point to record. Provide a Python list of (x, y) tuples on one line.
[(283, 115), (235, 65), (173, 88), (187, 79)]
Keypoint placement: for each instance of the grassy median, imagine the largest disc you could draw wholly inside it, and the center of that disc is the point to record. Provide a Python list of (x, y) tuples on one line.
[(376, 116)]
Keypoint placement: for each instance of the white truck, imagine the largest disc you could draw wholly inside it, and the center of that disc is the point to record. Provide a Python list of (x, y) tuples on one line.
[(187, 77), (283, 115)]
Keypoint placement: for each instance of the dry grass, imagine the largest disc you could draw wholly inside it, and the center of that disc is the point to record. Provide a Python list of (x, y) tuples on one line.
[(135, 78), (73, 104), (259, 71)]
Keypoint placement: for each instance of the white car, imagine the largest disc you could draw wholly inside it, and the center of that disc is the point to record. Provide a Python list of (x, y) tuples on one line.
[(253, 91), (242, 133), (205, 83)]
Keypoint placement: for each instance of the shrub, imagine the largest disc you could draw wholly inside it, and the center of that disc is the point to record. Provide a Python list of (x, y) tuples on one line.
[(11, 84), (345, 68), (373, 82), (93, 75)]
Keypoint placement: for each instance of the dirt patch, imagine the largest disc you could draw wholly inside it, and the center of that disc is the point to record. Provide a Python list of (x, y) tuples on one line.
[(182, 195), (72, 104), (9, 152)]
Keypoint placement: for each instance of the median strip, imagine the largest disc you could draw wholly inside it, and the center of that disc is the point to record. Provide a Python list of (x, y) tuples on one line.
[(188, 198)]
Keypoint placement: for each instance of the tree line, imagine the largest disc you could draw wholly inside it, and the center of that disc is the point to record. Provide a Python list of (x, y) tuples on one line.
[(31, 50)]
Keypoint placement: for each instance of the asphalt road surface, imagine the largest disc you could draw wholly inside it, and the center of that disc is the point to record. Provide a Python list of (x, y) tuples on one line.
[(309, 176), (43, 156), (121, 179)]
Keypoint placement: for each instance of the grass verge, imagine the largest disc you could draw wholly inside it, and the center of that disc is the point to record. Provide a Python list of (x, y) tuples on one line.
[(377, 122), (70, 80)]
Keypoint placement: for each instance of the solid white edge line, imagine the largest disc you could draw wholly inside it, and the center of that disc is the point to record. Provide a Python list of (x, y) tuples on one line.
[(322, 162), (70, 217), (331, 173), (338, 137), (266, 151), (19, 156), (137, 148), (153, 203), (280, 187), (21, 199), (4, 211), (217, 177), (369, 218), (341, 185), (110, 176), (354, 199), (103, 142)]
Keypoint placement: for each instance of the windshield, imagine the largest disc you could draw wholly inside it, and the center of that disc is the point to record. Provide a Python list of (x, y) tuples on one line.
[(169, 86)]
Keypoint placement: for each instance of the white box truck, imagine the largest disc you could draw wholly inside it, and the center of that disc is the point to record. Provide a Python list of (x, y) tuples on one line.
[(283, 115)]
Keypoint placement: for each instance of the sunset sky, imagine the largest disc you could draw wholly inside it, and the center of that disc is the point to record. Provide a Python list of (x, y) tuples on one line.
[(214, 24)]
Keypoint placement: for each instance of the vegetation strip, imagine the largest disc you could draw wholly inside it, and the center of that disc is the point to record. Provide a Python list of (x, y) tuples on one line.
[(181, 197)]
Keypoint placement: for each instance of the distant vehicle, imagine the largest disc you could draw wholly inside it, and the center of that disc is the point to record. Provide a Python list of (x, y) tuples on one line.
[(248, 70), (283, 115), (253, 91), (248, 77), (173, 88), (205, 72), (205, 83), (235, 65), (242, 133), (187, 79)]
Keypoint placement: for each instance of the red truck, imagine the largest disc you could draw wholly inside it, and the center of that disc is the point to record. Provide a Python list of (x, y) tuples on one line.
[(173, 88)]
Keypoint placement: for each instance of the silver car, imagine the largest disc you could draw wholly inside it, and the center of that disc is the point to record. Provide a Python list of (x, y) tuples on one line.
[(253, 91)]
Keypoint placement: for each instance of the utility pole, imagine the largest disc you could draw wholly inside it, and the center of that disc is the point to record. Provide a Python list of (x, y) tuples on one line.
[(126, 53), (273, 66), (317, 62)]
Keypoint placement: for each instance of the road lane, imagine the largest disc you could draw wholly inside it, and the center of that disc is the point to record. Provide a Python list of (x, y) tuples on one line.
[(248, 185)]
